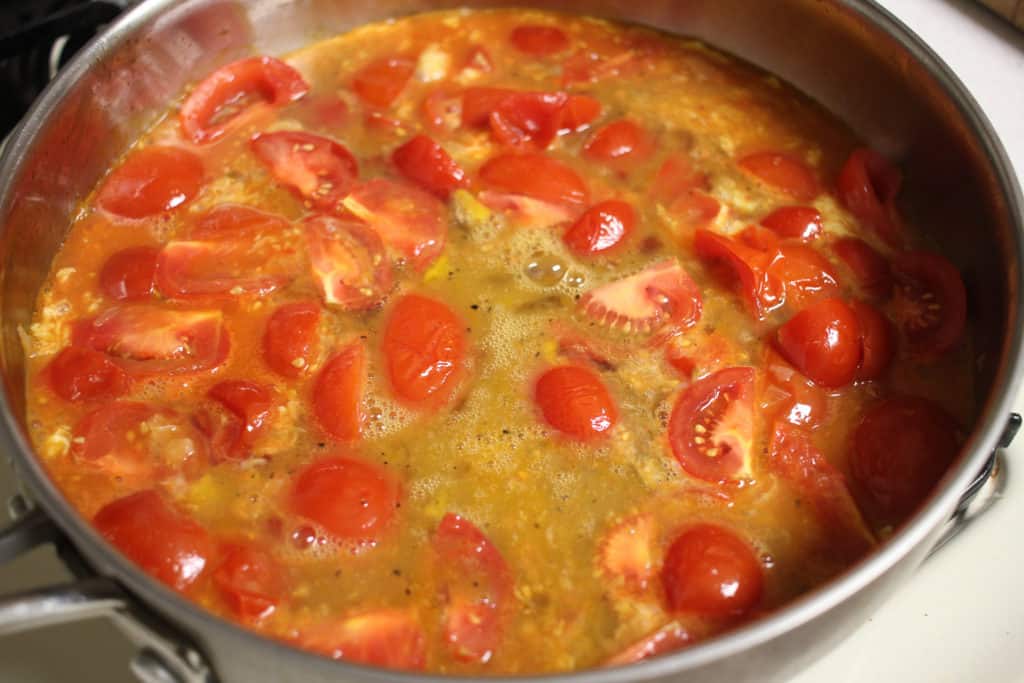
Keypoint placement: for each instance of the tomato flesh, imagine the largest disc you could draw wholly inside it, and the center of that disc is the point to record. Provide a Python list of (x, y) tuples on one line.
[(538, 40), (424, 162), (601, 228), (877, 340), (868, 185), (621, 143), (823, 341), (659, 294), (348, 262), (795, 222), (151, 181), (249, 407), (791, 397), (930, 303), (870, 270), (669, 638), (710, 571), (352, 500), (575, 401), (250, 581), (388, 638), (338, 393), (409, 220), (290, 339), (193, 269), (315, 168), (536, 176), (129, 274), (381, 81), (424, 347), (782, 172), (82, 374)]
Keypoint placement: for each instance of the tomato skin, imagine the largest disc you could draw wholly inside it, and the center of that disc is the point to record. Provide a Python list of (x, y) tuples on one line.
[(870, 269), (538, 40), (669, 638), (520, 117), (711, 427), (602, 227), (710, 571), (930, 303), (782, 172), (315, 168), (867, 187), (537, 176), (275, 82), (620, 143), (83, 374), (250, 581), (797, 222), (353, 500), (574, 401), (760, 291), (152, 180), (381, 81), (790, 397), (250, 404), (424, 162), (878, 341), (389, 638), (165, 543), (338, 393), (234, 222), (290, 340), (424, 346), (214, 269), (349, 264), (805, 275), (823, 342), (676, 176), (128, 275), (660, 294)]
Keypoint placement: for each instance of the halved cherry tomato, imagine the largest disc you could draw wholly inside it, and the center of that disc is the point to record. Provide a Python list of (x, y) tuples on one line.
[(316, 168), (794, 222), (930, 304), (424, 161), (868, 185), (477, 584), (760, 290), (517, 117), (128, 274), (602, 227), (235, 222), (216, 104), (442, 111), (669, 638), (590, 66), (290, 340), (870, 269), (349, 265), (877, 340), (390, 638), (782, 172), (527, 211), (250, 581), (661, 293), (901, 448), (538, 40), (804, 273), (622, 143), (578, 112), (626, 552), (823, 342), (789, 396), (338, 393), (81, 374), (249, 407), (575, 401), (676, 176), (151, 180), (712, 425), (408, 219), (164, 542), (381, 81), (424, 348), (353, 500), (710, 571), (537, 176), (760, 238), (323, 111), (193, 269)]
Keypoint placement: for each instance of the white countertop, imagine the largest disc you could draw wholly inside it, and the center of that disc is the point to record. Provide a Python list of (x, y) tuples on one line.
[(961, 619)]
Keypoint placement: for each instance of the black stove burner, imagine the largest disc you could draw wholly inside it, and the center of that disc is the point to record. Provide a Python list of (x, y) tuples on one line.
[(37, 37)]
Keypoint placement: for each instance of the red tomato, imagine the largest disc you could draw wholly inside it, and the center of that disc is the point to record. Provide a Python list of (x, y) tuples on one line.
[(349, 264), (676, 177), (902, 447), (760, 290), (250, 581), (128, 274), (518, 117), (218, 102), (712, 425), (79, 374), (478, 61), (795, 222), (694, 210), (877, 340), (408, 219), (782, 172), (424, 348), (338, 393), (315, 168), (621, 143), (659, 294), (930, 304), (537, 176), (389, 638), (626, 553), (870, 269), (576, 402), (235, 222), (790, 397), (589, 66), (804, 274), (165, 543), (290, 340), (578, 112), (382, 80), (151, 180), (868, 185), (442, 111), (477, 585), (326, 112), (602, 227), (669, 638), (823, 342), (424, 162), (710, 571), (224, 268), (538, 40), (249, 407), (351, 499)]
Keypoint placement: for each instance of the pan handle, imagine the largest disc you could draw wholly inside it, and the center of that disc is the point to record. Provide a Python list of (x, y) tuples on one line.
[(164, 655)]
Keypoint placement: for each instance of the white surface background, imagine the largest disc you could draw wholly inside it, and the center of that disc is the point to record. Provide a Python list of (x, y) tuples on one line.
[(960, 620)]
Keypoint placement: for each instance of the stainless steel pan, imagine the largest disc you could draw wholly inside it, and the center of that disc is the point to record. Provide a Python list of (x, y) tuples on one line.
[(850, 55)]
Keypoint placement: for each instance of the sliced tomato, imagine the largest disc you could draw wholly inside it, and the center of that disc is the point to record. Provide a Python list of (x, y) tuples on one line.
[(902, 446), (712, 425), (710, 571), (578, 112), (877, 341), (290, 341), (338, 392), (235, 222), (574, 401), (669, 638), (249, 408), (424, 162), (823, 342), (627, 552), (867, 186), (408, 219), (538, 40), (659, 294), (783, 173), (151, 180), (870, 269), (442, 111), (536, 176), (218, 101), (789, 396), (477, 62), (518, 117), (591, 66), (930, 303), (795, 222), (349, 264), (352, 500), (164, 542), (676, 177), (316, 168), (389, 638), (477, 587), (250, 581), (527, 211), (602, 227), (585, 349), (760, 290), (381, 81), (805, 275), (621, 143), (128, 275), (322, 111), (81, 374), (223, 268)]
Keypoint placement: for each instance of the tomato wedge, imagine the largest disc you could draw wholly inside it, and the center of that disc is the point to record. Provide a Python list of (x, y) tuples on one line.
[(622, 143), (669, 638), (164, 542), (381, 81), (290, 341), (870, 269), (789, 396), (795, 222), (760, 290), (712, 425), (804, 273), (575, 401), (248, 409), (710, 571), (220, 100), (78, 374), (235, 222), (338, 393), (389, 638), (601, 228), (823, 341), (250, 581), (150, 181), (128, 275), (519, 117), (660, 293), (424, 162), (316, 168), (536, 176), (539, 40), (930, 303), (877, 341), (348, 261), (477, 585), (783, 173), (196, 270), (676, 176), (868, 185), (627, 552)]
